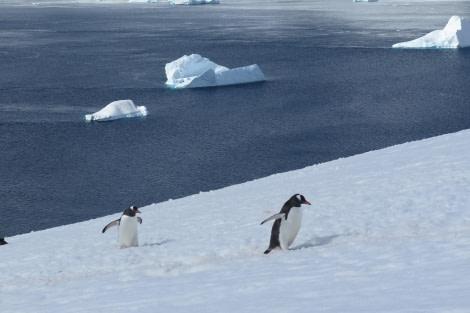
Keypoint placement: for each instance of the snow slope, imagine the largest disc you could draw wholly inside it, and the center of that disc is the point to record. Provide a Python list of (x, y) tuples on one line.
[(388, 231)]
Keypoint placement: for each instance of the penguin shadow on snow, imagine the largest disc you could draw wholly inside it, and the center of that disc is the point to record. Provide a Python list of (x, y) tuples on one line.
[(316, 242)]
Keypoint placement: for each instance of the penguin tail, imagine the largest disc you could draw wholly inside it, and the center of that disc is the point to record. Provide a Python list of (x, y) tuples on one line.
[(267, 251)]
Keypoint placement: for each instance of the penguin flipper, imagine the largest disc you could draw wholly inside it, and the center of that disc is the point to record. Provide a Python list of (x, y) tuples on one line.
[(139, 219), (274, 217), (113, 223)]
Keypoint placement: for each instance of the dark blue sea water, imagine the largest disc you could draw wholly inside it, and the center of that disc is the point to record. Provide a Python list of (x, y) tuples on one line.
[(334, 88)]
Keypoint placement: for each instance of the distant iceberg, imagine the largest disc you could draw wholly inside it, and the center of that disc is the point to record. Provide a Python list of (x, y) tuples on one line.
[(116, 110), (456, 34), (193, 2), (193, 71)]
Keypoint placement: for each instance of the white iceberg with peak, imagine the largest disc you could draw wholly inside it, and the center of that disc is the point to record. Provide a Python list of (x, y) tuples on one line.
[(456, 34), (116, 110), (193, 71)]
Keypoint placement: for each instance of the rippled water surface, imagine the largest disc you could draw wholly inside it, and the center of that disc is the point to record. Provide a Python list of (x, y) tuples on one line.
[(334, 88)]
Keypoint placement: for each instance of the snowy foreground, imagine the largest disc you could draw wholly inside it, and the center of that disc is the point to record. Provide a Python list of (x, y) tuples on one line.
[(388, 231)]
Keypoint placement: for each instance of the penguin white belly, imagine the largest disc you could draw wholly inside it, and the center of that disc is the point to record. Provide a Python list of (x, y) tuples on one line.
[(128, 232), (290, 227)]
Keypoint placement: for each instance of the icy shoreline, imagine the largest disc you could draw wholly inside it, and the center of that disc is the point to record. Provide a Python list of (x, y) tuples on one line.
[(390, 225)]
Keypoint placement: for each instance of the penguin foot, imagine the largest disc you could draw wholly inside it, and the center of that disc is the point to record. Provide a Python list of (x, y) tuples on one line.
[(267, 251)]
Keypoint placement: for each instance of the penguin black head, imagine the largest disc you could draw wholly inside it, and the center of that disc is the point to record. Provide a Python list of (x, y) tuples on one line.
[(297, 200), (2, 241), (131, 211)]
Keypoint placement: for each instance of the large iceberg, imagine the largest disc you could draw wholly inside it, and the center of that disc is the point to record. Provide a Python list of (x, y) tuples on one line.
[(116, 110), (193, 71), (456, 34)]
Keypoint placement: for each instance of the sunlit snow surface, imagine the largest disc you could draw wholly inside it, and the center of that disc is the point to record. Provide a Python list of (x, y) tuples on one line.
[(456, 34), (194, 71), (388, 231), (117, 110)]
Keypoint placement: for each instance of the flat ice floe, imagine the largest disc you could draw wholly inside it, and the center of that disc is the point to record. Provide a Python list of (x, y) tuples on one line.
[(193, 71), (456, 34), (116, 110), (193, 2)]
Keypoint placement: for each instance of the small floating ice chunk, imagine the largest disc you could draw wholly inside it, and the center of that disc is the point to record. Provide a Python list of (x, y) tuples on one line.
[(193, 2), (116, 110), (193, 71), (456, 34)]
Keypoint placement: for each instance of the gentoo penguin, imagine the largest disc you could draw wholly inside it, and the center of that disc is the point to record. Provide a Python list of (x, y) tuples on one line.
[(127, 227), (287, 223)]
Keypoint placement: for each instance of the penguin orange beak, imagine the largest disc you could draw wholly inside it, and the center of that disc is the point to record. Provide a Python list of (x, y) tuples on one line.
[(306, 202), (137, 211)]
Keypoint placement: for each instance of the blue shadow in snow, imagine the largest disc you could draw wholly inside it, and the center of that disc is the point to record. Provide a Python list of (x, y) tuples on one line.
[(156, 243), (320, 241)]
